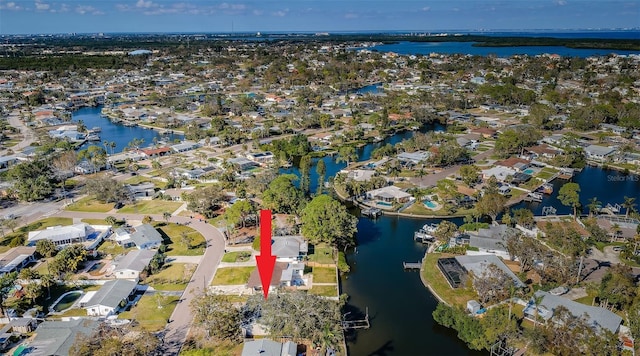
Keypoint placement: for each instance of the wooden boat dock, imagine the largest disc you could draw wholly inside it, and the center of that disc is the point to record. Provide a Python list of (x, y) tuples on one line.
[(371, 212), (412, 265), (357, 324)]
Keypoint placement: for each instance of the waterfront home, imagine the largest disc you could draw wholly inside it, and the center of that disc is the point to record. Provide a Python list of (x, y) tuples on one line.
[(124, 156), (456, 269), (389, 195), (618, 227), (145, 190), (16, 259), (132, 264), (266, 347), (112, 297), (501, 173), (359, 175), (596, 317), (261, 157), (57, 337), (542, 150), (155, 152), (413, 158), (62, 236), (491, 240), (255, 282), (599, 153), (242, 164), (289, 248)]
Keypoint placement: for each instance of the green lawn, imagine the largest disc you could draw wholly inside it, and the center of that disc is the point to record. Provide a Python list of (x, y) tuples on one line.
[(100, 222), (151, 207), (238, 256), (174, 276), (90, 204), (147, 313), (322, 253), (325, 291), (434, 277), (324, 275), (193, 245), (142, 179), (232, 276), (112, 248), (419, 209), (546, 173)]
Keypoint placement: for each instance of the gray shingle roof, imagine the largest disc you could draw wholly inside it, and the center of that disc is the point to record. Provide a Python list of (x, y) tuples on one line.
[(597, 317), (112, 293), (266, 347), (477, 264), (56, 337), (136, 260), (146, 234)]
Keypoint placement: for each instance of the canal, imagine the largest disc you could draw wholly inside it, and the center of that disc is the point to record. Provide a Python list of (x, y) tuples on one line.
[(117, 133)]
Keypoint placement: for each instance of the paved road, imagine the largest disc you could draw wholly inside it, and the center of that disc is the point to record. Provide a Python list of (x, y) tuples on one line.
[(177, 330), (28, 137)]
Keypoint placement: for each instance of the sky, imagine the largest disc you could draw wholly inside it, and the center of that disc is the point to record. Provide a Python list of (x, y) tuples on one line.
[(109, 16)]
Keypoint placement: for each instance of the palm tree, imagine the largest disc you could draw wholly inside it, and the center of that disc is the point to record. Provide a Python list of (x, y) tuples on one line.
[(536, 302), (594, 205), (166, 215), (629, 204)]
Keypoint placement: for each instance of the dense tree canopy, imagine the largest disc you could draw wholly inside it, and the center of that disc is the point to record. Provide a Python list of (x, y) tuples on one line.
[(217, 315), (106, 189), (282, 196), (325, 219), (32, 180)]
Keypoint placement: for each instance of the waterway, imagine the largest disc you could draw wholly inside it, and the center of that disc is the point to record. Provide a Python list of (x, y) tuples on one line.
[(399, 305), (426, 48), (117, 133)]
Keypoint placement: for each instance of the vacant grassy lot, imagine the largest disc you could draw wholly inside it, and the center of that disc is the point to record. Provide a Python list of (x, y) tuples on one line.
[(439, 284), (174, 276), (151, 207), (324, 275), (147, 313), (142, 179), (232, 276), (325, 291), (90, 204), (322, 253), (181, 240), (238, 256), (112, 248)]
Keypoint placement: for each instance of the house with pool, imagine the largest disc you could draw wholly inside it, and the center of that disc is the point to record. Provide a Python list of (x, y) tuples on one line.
[(89, 236), (385, 197)]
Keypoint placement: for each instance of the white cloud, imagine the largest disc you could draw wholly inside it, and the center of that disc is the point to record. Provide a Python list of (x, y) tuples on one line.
[(40, 6), (280, 13), (426, 8), (87, 9), (560, 2), (11, 6), (145, 4)]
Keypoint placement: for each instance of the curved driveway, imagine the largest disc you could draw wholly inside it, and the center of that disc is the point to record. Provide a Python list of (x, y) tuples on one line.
[(176, 331)]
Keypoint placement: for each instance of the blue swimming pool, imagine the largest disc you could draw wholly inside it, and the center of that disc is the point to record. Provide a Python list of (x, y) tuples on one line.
[(429, 204), (384, 203), (529, 171)]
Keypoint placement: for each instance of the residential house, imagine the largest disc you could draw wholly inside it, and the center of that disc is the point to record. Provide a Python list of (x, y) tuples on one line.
[(413, 158), (62, 236), (7, 161), (156, 152), (16, 259), (110, 298), (242, 164), (261, 157), (184, 146), (598, 153), (132, 264), (359, 175), (619, 130), (141, 190), (293, 275), (491, 240), (596, 317), (478, 264), (146, 237), (484, 132), (501, 173), (389, 195), (540, 151), (266, 347), (57, 337), (124, 156), (289, 248), (256, 283)]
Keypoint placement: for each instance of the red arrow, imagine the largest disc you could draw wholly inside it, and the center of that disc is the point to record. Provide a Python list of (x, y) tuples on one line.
[(265, 261)]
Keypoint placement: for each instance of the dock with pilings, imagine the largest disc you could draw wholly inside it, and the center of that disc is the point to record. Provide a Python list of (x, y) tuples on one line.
[(411, 265)]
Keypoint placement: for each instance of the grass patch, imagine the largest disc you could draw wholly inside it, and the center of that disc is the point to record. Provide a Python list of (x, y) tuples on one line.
[(151, 207), (140, 179), (439, 284), (101, 222), (73, 312), (325, 291), (147, 313), (324, 275), (90, 204), (237, 256), (112, 248), (232, 276), (419, 209), (181, 240), (174, 276), (322, 253)]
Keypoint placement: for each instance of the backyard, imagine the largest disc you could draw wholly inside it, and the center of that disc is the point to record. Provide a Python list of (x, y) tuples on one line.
[(237, 256), (324, 275), (322, 253), (172, 277), (152, 311), (325, 291), (439, 284), (90, 204)]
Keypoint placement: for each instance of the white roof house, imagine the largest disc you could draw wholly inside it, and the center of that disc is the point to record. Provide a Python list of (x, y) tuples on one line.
[(501, 173), (599, 153), (62, 236), (389, 194), (266, 347), (110, 298)]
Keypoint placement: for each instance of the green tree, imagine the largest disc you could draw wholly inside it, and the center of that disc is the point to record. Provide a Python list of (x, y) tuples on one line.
[(106, 189), (237, 213), (347, 154), (96, 155), (594, 206), (282, 196), (6, 283), (205, 200), (470, 174), (305, 179), (629, 204), (321, 169), (524, 217), (324, 219), (446, 230), (569, 196), (491, 204), (617, 287), (147, 219), (46, 248), (31, 180)]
